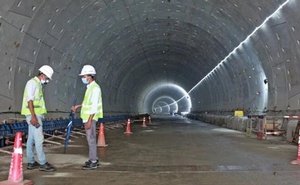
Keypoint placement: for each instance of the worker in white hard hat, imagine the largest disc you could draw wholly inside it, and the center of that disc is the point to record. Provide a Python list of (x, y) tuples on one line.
[(34, 109), (91, 111)]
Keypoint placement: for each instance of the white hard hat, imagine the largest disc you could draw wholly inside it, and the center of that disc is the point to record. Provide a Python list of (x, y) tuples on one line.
[(87, 70), (47, 70)]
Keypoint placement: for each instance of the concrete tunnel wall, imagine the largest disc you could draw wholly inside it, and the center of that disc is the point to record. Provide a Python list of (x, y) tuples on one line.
[(137, 44)]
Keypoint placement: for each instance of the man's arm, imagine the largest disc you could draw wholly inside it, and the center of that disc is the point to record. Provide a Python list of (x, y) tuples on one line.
[(88, 124), (34, 120), (31, 88), (94, 98), (75, 107)]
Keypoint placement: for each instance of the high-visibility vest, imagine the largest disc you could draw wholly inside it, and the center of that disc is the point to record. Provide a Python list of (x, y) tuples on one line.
[(38, 101), (87, 104)]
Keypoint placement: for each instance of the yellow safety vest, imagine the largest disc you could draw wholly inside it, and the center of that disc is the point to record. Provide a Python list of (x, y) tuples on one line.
[(38, 102), (87, 104)]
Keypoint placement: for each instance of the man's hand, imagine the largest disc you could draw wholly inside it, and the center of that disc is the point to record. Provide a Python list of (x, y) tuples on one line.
[(75, 107), (88, 124), (34, 120)]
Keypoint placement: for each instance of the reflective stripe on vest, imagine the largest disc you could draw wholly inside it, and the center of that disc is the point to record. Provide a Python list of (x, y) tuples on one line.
[(38, 102), (87, 104)]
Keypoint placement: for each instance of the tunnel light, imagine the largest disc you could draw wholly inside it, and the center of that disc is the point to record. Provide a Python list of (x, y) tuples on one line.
[(184, 113), (224, 130), (243, 43), (240, 45)]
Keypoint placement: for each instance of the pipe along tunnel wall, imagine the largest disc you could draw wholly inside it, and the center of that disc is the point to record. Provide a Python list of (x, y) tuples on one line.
[(137, 44)]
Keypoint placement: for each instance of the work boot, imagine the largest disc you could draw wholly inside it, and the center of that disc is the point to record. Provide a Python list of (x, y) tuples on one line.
[(89, 162), (90, 166), (47, 167), (31, 166)]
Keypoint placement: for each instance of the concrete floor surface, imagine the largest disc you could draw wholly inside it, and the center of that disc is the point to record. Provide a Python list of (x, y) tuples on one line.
[(172, 151)]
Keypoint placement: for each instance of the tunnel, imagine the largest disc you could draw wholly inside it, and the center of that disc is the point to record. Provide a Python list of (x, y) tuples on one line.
[(136, 46), (201, 59)]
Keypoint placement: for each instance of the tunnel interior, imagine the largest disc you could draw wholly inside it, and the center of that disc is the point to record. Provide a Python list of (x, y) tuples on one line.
[(145, 51), (162, 98)]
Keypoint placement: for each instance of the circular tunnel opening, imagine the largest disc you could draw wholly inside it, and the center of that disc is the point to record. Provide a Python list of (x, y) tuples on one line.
[(168, 102), (165, 98)]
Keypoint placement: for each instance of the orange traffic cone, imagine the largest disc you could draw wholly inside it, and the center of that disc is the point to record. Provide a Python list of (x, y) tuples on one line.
[(144, 122), (297, 161), (15, 176), (128, 128), (101, 136)]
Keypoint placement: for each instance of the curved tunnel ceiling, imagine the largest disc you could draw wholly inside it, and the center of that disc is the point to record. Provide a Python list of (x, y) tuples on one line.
[(135, 44)]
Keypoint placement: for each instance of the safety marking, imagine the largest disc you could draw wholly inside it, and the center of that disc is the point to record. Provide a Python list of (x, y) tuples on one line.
[(274, 147), (230, 168), (76, 146), (59, 175), (105, 163), (18, 151), (177, 172), (148, 131)]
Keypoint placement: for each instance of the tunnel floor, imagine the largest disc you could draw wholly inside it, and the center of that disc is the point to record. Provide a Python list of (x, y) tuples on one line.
[(172, 150)]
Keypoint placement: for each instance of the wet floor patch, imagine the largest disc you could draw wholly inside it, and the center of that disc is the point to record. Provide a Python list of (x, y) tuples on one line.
[(178, 168), (222, 168), (157, 169)]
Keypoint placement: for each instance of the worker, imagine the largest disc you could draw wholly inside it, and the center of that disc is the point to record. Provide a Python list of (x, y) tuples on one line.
[(91, 111), (34, 109)]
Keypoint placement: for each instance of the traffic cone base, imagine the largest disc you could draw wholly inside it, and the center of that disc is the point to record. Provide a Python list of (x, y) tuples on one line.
[(101, 137), (295, 162), (15, 176), (24, 182), (103, 145)]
